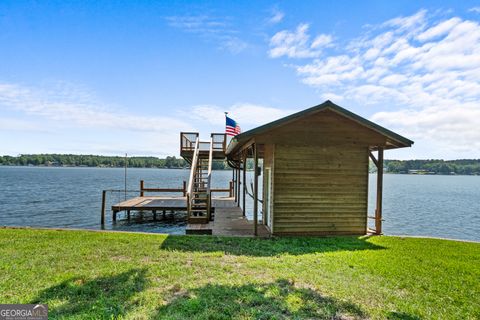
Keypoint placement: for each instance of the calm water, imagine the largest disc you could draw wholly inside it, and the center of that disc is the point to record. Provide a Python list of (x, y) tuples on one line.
[(441, 206)]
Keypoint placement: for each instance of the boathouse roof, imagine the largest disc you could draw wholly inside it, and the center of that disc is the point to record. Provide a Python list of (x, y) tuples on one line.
[(393, 139)]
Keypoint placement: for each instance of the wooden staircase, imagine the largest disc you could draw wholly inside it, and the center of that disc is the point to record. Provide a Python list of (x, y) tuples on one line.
[(198, 191)]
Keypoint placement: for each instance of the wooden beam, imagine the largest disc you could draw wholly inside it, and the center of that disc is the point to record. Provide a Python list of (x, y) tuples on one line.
[(255, 194), (142, 184), (244, 148), (378, 211), (375, 161), (244, 183), (238, 187)]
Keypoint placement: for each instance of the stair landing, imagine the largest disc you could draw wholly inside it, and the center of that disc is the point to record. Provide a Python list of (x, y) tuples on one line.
[(229, 221)]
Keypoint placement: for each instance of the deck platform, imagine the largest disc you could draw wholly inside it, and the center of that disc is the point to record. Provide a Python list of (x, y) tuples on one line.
[(152, 203), (228, 221)]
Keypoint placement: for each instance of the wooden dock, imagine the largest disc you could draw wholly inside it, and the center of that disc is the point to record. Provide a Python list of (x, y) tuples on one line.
[(229, 219), (152, 203)]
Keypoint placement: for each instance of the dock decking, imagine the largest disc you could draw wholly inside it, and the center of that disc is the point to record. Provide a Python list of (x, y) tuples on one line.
[(151, 203), (229, 219)]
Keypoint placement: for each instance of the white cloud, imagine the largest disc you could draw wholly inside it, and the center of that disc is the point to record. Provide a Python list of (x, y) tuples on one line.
[(322, 40), (76, 107), (439, 30), (77, 122), (421, 72), (408, 24), (276, 17), (474, 9), (212, 29), (246, 114), (13, 124), (297, 44)]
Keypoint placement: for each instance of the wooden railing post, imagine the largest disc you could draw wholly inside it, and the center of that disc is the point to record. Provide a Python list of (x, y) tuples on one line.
[(104, 196), (255, 194), (184, 188), (378, 211), (141, 188)]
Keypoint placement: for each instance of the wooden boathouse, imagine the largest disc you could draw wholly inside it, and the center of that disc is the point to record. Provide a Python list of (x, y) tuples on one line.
[(315, 170), (312, 168)]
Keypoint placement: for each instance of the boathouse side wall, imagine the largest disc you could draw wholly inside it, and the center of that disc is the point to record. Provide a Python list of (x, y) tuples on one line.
[(320, 190)]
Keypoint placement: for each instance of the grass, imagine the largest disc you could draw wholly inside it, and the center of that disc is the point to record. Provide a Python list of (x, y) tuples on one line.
[(95, 275)]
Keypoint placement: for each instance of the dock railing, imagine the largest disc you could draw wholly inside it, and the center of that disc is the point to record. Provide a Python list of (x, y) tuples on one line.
[(209, 179), (192, 174), (219, 142), (188, 140), (142, 190), (183, 190)]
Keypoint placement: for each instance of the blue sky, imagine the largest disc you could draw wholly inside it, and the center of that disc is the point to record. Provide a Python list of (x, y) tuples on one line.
[(127, 76)]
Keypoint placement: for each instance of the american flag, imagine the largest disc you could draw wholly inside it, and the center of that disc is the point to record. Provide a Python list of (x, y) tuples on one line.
[(231, 128)]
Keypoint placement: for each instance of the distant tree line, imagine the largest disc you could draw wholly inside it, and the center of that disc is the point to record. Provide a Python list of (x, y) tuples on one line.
[(463, 167), (73, 160)]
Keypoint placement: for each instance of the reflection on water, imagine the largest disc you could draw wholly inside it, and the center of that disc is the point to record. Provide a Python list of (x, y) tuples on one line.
[(441, 206)]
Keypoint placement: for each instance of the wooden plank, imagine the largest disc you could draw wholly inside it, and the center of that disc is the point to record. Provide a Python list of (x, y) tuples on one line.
[(320, 190)]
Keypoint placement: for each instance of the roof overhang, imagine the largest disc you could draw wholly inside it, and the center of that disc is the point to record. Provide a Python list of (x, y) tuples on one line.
[(393, 140)]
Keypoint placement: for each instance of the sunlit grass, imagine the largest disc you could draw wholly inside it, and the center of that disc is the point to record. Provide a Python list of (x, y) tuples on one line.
[(140, 276)]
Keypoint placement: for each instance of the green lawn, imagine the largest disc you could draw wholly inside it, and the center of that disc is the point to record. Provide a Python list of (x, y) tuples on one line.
[(92, 275)]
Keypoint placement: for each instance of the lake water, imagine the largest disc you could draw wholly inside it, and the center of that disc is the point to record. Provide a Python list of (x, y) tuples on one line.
[(439, 206)]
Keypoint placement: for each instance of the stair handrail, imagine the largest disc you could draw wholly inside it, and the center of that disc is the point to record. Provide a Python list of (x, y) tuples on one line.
[(192, 172), (209, 178)]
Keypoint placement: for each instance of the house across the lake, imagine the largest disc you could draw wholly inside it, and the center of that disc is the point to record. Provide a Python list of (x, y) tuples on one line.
[(314, 171), (311, 177)]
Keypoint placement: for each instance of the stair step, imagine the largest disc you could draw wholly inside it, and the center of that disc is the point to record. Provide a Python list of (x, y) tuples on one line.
[(195, 220)]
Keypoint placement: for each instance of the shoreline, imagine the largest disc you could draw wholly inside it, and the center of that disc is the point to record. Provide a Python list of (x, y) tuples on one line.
[(176, 235), (187, 168)]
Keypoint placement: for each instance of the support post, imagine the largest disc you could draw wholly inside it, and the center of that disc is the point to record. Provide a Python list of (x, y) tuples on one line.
[(230, 187), (238, 187), (184, 188), (255, 193), (114, 216), (378, 210), (104, 197), (128, 214), (235, 184), (141, 188), (244, 183), (154, 214)]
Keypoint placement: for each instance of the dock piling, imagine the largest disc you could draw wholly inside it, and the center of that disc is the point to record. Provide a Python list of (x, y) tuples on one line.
[(104, 196)]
